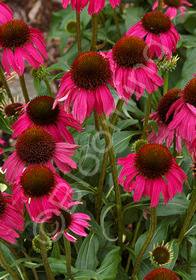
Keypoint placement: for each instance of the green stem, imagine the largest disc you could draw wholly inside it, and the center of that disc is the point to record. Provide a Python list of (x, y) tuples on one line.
[(188, 257), (7, 267), (5, 84), (68, 257), (44, 253), (78, 28), (117, 23), (11, 248), (160, 5), (96, 119), (108, 141), (48, 87), (137, 3), (153, 222), (148, 108), (24, 88), (98, 202), (190, 213), (166, 79), (93, 46), (133, 242)]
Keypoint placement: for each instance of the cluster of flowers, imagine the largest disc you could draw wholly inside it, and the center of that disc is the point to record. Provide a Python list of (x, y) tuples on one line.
[(129, 68)]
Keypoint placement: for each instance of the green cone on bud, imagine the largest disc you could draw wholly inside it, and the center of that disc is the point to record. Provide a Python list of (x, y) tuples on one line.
[(138, 144), (71, 27), (168, 64), (36, 243), (40, 73), (161, 255)]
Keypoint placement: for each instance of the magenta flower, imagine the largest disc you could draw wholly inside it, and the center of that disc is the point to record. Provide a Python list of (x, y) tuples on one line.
[(37, 146), (145, 172), (42, 190), (85, 86), (39, 112), (66, 222), (94, 6), (159, 33), (1, 143), (173, 6), (184, 113), (19, 41), (12, 218), (132, 69), (160, 117), (161, 273)]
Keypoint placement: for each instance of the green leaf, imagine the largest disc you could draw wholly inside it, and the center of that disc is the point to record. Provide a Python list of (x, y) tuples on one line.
[(121, 140), (87, 256), (86, 275), (192, 228), (134, 15)]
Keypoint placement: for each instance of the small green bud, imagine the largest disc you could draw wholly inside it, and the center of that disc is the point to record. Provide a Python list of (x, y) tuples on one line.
[(138, 144), (71, 27), (40, 73), (168, 64), (36, 243)]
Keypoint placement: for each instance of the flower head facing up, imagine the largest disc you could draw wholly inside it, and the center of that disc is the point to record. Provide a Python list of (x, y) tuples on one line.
[(183, 112), (11, 217), (37, 146), (159, 33), (173, 6), (39, 112), (85, 86), (160, 117), (19, 41), (145, 172), (161, 274), (42, 190), (132, 68), (161, 255), (66, 221)]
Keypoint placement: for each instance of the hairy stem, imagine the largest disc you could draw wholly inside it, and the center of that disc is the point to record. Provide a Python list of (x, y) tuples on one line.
[(24, 88), (160, 5), (7, 267), (166, 80), (93, 46), (48, 87), (148, 108), (78, 28), (68, 257), (117, 23), (5, 84)]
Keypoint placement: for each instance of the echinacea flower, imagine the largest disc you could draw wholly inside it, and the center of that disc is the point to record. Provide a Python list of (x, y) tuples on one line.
[(1, 143), (94, 6), (66, 222), (160, 117), (37, 146), (161, 254), (173, 6), (42, 190), (161, 273), (19, 41), (85, 86), (184, 113), (159, 33), (39, 112), (11, 217), (146, 171), (132, 69)]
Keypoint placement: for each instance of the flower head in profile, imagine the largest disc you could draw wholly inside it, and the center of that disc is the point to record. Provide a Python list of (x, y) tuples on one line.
[(145, 173), (183, 113), (39, 112), (85, 88), (37, 146), (161, 254), (161, 274), (132, 68), (12, 218), (94, 6), (19, 41), (42, 190), (66, 222), (173, 6), (160, 117), (159, 33)]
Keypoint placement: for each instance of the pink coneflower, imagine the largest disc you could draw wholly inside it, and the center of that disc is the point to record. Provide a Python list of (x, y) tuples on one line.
[(173, 6), (161, 274), (42, 190), (11, 218), (184, 112), (94, 6), (160, 117), (39, 112), (19, 41), (1, 143), (85, 86), (159, 33), (145, 172), (132, 69), (37, 146), (66, 221)]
